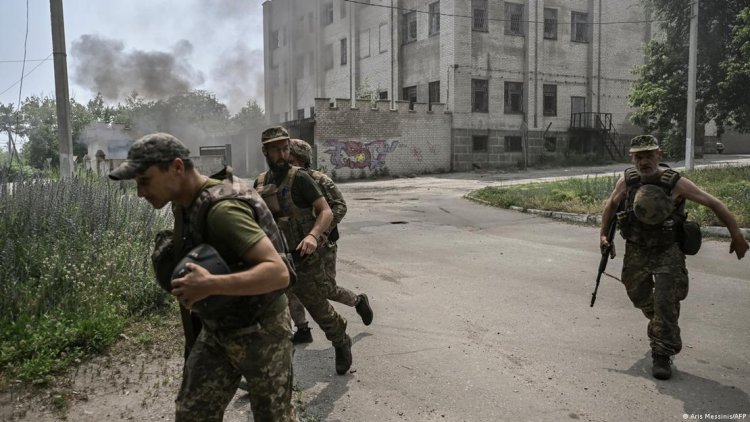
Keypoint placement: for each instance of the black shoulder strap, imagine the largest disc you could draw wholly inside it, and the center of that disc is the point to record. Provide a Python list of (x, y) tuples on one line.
[(669, 178), (632, 178)]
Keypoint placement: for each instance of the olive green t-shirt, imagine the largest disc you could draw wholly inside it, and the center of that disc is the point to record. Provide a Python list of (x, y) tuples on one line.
[(231, 227)]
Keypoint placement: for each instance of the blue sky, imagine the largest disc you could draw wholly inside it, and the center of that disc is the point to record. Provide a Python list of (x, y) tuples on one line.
[(214, 45)]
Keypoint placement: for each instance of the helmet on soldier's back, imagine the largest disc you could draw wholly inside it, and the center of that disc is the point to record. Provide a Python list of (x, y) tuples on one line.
[(302, 151), (651, 204)]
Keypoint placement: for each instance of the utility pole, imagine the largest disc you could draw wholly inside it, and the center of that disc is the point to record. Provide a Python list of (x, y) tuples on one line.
[(62, 98), (692, 64)]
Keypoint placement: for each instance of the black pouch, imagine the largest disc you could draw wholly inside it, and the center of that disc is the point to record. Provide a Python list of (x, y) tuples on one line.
[(164, 259), (690, 238)]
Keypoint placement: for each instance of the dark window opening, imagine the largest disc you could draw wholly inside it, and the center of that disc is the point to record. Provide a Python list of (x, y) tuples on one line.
[(479, 96), (550, 144), (513, 97), (550, 24), (479, 15), (579, 30), (513, 144), (513, 19), (549, 105)]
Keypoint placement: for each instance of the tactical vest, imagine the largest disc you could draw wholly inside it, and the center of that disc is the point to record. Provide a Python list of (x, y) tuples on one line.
[(651, 235), (189, 231), (294, 222)]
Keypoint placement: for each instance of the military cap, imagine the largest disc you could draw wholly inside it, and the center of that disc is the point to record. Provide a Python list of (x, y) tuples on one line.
[(273, 134), (643, 143), (151, 149), (302, 151), (651, 204)]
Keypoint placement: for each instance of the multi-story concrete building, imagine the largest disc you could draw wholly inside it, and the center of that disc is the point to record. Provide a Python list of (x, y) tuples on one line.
[(519, 80)]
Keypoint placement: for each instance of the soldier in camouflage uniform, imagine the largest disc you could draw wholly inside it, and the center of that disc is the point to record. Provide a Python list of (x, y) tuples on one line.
[(303, 216), (246, 324), (654, 272), (301, 156)]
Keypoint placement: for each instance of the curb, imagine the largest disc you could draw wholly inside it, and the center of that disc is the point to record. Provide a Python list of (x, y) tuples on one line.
[(596, 219)]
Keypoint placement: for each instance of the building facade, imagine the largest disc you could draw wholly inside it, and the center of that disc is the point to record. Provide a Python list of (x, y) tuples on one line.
[(520, 80)]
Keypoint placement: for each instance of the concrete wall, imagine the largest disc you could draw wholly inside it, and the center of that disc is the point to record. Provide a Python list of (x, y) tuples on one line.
[(362, 140)]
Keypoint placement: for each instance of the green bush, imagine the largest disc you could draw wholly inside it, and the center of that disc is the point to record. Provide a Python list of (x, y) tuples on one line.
[(588, 195), (75, 269)]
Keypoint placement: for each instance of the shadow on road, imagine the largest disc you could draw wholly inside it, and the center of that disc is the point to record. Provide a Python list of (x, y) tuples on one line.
[(323, 403), (698, 395)]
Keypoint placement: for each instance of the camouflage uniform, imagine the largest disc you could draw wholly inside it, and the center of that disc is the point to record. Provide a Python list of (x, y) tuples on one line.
[(310, 288), (327, 252), (241, 335), (653, 271)]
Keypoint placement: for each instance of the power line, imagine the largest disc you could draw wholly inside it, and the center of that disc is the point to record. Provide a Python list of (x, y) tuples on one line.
[(27, 74), (405, 9), (21, 61), (20, 89)]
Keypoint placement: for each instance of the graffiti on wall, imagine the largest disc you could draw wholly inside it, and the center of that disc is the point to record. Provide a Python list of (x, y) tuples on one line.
[(359, 155)]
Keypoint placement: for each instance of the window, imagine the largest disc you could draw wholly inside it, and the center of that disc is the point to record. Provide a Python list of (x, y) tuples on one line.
[(550, 24), (513, 19), (434, 92), (479, 15), (343, 8), (579, 29), (513, 144), (383, 95), (384, 37), (479, 143), (513, 97), (326, 14), (364, 44), (410, 27), (300, 114), (550, 144), (328, 57), (434, 18), (577, 105), (549, 103), (273, 40), (312, 111), (410, 94), (479, 94), (343, 52)]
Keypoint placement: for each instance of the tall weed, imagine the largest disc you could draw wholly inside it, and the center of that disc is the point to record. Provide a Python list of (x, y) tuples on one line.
[(75, 267)]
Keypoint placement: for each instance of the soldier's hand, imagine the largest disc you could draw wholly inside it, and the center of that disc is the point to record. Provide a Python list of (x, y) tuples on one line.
[(603, 242), (308, 245), (193, 286), (739, 246)]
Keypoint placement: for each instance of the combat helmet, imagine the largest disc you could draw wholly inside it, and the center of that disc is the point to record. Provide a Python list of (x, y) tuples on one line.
[(302, 151), (651, 204)]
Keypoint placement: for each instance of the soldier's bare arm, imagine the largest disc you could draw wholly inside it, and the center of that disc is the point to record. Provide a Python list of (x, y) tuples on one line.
[(266, 273), (323, 219), (617, 196), (688, 190)]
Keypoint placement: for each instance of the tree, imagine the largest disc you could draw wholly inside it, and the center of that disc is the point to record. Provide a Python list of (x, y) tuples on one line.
[(736, 103), (249, 118), (40, 116), (660, 94)]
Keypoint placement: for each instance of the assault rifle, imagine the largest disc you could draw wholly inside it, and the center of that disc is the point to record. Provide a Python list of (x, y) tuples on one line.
[(606, 255)]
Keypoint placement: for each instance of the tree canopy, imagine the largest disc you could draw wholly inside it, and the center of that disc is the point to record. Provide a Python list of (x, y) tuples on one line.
[(193, 113), (660, 94)]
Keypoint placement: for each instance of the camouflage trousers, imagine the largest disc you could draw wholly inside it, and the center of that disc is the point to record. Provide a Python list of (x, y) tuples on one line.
[(330, 288), (219, 359), (311, 290), (656, 280)]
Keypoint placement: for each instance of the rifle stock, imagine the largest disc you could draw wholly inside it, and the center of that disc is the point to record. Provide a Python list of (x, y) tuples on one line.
[(606, 251)]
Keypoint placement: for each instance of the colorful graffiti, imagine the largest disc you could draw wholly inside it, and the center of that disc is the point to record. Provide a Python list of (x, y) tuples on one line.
[(359, 155)]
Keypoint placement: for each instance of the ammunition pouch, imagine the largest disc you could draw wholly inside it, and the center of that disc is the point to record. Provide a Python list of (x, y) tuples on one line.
[(269, 195), (690, 238), (164, 259)]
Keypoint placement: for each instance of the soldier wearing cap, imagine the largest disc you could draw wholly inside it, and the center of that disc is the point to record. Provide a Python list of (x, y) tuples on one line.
[(301, 156), (250, 340), (303, 216), (654, 271)]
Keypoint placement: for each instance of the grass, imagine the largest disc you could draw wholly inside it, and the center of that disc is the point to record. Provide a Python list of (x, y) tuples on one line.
[(588, 195), (75, 271)]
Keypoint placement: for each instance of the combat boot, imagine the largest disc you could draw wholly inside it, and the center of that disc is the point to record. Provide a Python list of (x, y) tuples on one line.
[(302, 335), (662, 368), (363, 309), (344, 356)]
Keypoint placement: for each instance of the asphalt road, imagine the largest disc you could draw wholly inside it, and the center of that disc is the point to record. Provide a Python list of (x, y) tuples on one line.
[(482, 314)]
